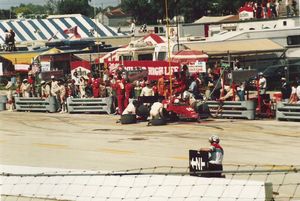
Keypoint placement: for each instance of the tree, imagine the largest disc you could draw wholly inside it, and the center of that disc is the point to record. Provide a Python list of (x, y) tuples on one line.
[(149, 11), (52, 7), (139, 9), (7, 14), (74, 7)]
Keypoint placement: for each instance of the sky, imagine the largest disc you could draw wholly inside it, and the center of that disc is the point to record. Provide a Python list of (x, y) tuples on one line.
[(6, 4)]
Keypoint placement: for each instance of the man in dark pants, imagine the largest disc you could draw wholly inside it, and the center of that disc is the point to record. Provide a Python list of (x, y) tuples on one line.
[(286, 90), (216, 154)]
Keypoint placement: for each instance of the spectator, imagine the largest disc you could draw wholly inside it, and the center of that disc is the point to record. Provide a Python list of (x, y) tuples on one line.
[(89, 88), (82, 86), (298, 91), (11, 41), (9, 94), (6, 40), (62, 96), (229, 93), (286, 90), (294, 8), (25, 88), (147, 90), (293, 98), (45, 89), (241, 91), (194, 87), (137, 89), (262, 83), (76, 82)]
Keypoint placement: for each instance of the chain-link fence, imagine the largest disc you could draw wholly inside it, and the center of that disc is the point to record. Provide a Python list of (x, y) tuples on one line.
[(242, 182)]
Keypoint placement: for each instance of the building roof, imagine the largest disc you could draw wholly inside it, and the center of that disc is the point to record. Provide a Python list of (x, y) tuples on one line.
[(215, 19), (117, 12), (236, 47)]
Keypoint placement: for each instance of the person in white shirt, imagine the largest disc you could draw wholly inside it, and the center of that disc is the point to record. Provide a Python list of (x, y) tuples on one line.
[(54, 87), (131, 108), (45, 89), (298, 92), (156, 111), (25, 88), (147, 90), (9, 95), (262, 82), (293, 98)]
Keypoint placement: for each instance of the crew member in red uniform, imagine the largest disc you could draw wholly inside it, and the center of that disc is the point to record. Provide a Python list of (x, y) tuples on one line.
[(179, 85), (119, 87), (128, 92), (96, 85)]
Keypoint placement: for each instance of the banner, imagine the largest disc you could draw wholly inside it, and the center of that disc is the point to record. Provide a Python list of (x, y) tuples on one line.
[(151, 69), (45, 66), (22, 67), (197, 67), (81, 67)]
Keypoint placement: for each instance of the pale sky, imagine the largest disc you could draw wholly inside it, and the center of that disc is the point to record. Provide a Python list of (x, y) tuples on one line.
[(6, 4)]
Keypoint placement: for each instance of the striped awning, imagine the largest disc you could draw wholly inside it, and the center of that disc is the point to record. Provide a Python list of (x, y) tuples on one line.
[(55, 27)]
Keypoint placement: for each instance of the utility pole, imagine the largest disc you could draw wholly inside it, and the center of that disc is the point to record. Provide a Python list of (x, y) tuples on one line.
[(177, 23)]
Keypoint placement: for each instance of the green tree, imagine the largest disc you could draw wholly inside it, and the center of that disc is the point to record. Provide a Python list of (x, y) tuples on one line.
[(51, 7), (74, 7), (139, 9), (149, 11), (7, 14)]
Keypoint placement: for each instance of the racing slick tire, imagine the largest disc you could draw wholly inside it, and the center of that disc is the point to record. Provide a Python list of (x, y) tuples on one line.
[(158, 122), (128, 119)]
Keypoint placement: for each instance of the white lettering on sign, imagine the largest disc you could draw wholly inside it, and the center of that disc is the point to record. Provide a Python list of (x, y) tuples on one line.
[(156, 70), (162, 70), (197, 163)]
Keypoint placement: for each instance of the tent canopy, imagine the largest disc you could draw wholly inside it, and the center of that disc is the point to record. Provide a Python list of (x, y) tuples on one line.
[(236, 47)]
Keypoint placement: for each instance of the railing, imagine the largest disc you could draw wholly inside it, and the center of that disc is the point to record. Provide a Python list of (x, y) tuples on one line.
[(286, 111), (36, 104), (232, 109), (3, 101), (89, 105)]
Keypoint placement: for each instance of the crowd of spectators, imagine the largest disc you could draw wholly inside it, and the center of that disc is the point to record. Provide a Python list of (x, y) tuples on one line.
[(270, 8)]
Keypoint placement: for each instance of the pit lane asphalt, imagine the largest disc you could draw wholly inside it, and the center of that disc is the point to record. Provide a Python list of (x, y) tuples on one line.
[(97, 142)]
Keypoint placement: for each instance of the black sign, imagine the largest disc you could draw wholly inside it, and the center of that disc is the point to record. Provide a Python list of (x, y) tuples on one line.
[(59, 74), (198, 161), (242, 75)]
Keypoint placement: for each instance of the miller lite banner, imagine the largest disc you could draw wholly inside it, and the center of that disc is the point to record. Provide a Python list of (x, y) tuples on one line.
[(139, 69)]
